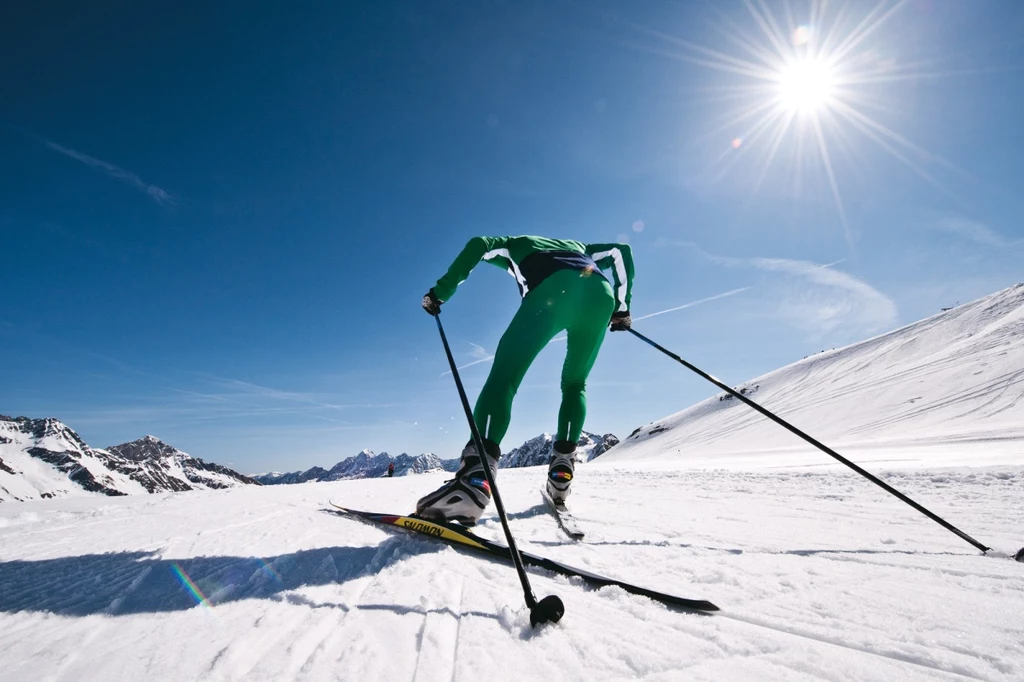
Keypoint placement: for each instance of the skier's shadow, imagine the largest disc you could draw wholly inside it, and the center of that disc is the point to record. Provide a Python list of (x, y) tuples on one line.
[(122, 583)]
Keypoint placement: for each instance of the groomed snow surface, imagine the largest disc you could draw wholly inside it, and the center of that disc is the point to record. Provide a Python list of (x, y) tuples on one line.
[(820, 575)]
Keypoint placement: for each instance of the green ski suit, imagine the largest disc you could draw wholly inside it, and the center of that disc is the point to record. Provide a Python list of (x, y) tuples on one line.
[(563, 289)]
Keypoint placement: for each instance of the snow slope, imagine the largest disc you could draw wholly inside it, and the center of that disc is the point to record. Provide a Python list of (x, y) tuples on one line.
[(947, 389), (819, 575)]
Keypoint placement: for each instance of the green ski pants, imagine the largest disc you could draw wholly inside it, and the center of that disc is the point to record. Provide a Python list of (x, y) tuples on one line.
[(579, 303)]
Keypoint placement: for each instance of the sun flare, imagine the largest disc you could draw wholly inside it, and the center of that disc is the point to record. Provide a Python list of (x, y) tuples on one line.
[(797, 101), (806, 86)]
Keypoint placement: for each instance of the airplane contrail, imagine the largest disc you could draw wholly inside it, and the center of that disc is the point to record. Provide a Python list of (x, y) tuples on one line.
[(693, 303)]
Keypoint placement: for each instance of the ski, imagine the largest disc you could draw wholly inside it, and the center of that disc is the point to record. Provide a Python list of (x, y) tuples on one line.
[(566, 520), (463, 538)]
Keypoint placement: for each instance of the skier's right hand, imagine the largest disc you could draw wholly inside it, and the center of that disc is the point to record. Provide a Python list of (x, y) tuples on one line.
[(431, 303)]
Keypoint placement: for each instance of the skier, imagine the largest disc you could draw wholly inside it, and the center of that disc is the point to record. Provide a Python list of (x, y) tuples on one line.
[(563, 289), (391, 469)]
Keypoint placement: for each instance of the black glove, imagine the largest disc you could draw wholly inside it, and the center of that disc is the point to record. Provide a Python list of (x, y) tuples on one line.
[(621, 322), (431, 303)]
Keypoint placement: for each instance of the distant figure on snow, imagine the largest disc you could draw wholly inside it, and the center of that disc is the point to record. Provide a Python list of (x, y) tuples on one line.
[(563, 289), (391, 469)]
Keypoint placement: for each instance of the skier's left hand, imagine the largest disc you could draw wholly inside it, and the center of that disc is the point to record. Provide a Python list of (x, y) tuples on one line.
[(621, 322), (431, 303)]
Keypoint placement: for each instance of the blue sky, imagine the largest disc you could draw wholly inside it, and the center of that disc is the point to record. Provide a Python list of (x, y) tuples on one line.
[(217, 222)]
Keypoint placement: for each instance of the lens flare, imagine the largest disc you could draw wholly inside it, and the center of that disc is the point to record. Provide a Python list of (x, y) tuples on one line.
[(268, 570), (190, 586)]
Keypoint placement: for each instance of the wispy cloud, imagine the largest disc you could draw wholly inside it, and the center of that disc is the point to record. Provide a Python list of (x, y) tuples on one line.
[(819, 298), (158, 194), (267, 398), (975, 231), (816, 297), (479, 351), (223, 400)]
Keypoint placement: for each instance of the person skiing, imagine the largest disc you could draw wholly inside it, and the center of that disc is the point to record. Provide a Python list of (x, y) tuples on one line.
[(391, 469), (563, 289)]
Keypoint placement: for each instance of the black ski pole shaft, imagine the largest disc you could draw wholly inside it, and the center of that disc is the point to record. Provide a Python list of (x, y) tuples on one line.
[(821, 446), (551, 608)]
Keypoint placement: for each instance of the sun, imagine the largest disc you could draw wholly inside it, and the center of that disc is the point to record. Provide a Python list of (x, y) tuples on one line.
[(805, 86), (796, 97)]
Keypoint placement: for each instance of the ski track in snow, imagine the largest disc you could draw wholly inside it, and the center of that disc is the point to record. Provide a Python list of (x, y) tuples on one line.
[(820, 575)]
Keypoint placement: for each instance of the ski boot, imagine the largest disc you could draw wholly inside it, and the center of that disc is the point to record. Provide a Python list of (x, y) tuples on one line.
[(560, 470), (463, 498)]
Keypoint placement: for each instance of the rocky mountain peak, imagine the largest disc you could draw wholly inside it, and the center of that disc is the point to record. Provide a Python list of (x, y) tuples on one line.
[(146, 448)]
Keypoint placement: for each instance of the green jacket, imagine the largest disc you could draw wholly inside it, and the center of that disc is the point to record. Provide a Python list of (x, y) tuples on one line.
[(509, 253)]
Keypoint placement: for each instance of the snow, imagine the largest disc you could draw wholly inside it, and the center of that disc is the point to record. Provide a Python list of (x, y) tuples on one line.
[(820, 574)]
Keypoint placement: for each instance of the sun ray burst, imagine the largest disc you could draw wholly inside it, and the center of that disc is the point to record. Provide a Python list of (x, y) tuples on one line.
[(805, 87)]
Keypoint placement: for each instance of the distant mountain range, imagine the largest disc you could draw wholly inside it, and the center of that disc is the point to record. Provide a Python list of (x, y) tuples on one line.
[(537, 450), (44, 458), (368, 464)]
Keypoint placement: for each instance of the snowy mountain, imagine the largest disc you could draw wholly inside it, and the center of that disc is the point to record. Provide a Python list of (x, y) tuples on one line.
[(537, 451), (165, 468), (368, 464), (282, 478), (44, 458), (949, 384)]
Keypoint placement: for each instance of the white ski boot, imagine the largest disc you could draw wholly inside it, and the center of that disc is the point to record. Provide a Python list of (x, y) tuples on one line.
[(560, 470), (464, 498)]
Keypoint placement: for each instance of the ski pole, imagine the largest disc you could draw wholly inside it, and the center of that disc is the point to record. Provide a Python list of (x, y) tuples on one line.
[(550, 608), (824, 448)]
